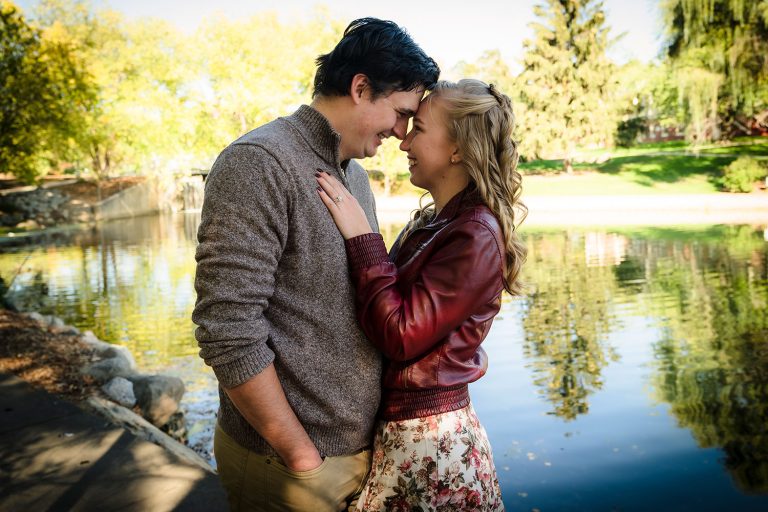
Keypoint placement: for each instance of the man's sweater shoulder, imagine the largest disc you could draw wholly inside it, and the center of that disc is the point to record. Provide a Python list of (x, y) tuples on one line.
[(277, 137), (268, 148)]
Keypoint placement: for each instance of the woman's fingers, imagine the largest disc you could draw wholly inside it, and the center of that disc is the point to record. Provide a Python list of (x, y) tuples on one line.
[(337, 185), (342, 205), (331, 186), (326, 199)]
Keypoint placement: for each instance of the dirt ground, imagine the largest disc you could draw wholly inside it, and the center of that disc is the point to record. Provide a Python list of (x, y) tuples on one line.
[(91, 192), (44, 359), (88, 192)]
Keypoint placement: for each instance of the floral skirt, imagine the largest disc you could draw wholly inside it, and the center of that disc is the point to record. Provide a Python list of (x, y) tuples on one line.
[(441, 462)]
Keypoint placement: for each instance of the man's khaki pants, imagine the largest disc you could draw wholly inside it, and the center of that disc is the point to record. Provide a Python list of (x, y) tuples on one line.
[(258, 482)]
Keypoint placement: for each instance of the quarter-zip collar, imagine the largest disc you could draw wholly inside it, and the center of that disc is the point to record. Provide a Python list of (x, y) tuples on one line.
[(315, 128)]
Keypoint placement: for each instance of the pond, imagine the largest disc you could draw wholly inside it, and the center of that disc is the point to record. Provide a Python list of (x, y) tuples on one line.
[(632, 376)]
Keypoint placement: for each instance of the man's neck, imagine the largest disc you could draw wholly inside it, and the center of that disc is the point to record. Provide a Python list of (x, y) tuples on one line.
[(331, 109)]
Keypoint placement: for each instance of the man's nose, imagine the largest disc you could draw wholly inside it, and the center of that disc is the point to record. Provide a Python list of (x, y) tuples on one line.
[(406, 144), (400, 128)]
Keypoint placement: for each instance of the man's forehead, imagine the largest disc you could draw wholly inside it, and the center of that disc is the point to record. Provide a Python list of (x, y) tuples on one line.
[(407, 101)]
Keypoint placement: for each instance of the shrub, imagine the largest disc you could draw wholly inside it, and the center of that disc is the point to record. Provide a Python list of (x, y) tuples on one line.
[(741, 174), (628, 131)]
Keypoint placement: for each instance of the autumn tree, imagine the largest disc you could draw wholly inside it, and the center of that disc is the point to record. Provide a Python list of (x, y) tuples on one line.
[(41, 86), (567, 82), (254, 70), (137, 123)]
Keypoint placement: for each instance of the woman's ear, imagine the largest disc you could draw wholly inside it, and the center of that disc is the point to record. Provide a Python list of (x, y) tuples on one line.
[(358, 86), (456, 156)]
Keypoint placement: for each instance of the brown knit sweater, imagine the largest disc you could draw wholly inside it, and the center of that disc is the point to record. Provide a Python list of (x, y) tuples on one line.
[(273, 284)]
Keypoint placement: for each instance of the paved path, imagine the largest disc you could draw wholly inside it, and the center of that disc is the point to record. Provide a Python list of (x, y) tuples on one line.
[(646, 210), (55, 456)]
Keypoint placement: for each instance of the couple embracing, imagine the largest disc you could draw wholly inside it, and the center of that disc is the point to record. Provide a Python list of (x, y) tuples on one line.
[(343, 368)]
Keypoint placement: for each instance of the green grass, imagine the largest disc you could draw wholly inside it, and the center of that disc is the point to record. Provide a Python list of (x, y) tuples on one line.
[(664, 174), (642, 169), (611, 184), (757, 146), (757, 150)]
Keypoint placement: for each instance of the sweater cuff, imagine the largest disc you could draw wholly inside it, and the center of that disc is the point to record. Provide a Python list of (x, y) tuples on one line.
[(366, 250), (236, 372)]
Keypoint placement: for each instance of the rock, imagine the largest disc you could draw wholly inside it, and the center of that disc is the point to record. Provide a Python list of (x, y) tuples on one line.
[(143, 429), (37, 317), (106, 369), (158, 396), (121, 391), (28, 225), (176, 427), (64, 329), (89, 338), (106, 350), (54, 321)]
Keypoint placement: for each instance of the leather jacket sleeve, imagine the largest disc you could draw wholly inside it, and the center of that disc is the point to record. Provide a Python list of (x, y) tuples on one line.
[(406, 318)]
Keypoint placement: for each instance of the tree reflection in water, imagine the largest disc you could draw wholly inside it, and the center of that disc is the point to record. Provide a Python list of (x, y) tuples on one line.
[(713, 357), (567, 316), (707, 291)]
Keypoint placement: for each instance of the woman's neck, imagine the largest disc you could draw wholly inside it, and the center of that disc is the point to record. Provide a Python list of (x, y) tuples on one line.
[(442, 194)]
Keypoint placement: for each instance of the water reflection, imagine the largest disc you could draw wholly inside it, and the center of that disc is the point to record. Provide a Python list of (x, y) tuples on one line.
[(567, 316), (706, 290), (627, 335), (131, 282), (713, 357)]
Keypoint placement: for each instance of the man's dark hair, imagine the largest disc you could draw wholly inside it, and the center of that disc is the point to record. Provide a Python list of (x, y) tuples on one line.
[(380, 50)]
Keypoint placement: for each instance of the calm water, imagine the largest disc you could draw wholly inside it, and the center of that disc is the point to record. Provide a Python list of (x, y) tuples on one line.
[(633, 376)]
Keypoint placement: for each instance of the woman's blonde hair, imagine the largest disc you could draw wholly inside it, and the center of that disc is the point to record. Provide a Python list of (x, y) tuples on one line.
[(481, 121)]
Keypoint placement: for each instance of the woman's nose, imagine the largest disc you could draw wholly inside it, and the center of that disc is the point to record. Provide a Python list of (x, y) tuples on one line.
[(406, 144)]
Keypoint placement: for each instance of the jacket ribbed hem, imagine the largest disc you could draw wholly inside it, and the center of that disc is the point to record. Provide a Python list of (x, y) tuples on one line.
[(405, 404), (366, 250)]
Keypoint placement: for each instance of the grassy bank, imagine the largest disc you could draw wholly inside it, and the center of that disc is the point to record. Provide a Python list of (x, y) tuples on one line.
[(664, 168)]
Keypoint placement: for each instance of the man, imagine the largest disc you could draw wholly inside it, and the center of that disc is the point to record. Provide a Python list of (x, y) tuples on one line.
[(298, 381)]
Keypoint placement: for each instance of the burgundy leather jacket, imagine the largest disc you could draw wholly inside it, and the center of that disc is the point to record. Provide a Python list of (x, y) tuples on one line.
[(429, 304)]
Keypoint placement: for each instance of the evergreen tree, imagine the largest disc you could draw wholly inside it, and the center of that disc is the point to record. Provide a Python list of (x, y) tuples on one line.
[(567, 82)]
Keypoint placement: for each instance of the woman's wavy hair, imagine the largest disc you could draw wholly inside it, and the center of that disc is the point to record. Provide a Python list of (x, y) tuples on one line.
[(481, 121)]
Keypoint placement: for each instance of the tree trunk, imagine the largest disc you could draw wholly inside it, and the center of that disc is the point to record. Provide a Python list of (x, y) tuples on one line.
[(568, 165)]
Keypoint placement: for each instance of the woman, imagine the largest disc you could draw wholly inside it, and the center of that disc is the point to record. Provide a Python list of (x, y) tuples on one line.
[(430, 303)]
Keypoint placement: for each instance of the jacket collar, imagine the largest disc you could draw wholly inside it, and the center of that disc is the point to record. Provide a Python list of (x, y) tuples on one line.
[(467, 198), (315, 128)]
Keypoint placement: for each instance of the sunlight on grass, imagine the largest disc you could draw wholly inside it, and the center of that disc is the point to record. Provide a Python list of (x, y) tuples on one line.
[(640, 170), (595, 183)]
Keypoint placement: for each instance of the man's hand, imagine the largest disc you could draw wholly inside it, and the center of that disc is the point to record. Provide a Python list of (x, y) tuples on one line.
[(304, 461), (345, 210), (262, 402)]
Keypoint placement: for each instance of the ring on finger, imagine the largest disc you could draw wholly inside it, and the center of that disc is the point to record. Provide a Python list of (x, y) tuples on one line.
[(338, 199)]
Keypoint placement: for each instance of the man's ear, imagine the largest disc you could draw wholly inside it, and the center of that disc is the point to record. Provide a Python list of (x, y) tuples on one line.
[(358, 86)]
